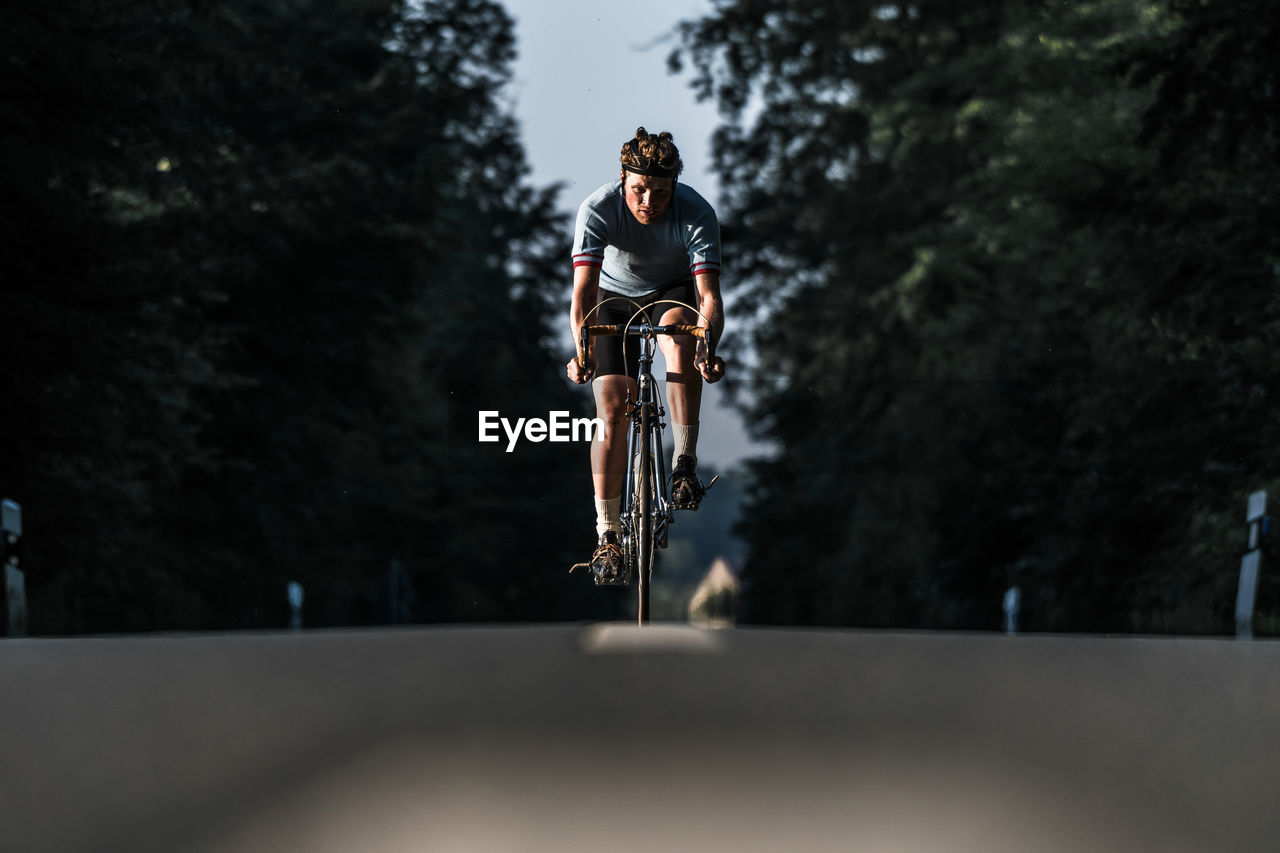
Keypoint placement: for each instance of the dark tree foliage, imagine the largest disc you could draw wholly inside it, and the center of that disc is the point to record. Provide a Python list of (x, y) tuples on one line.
[(262, 264), (1013, 273)]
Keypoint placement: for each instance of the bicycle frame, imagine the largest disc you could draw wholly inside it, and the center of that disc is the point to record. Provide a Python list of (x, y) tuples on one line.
[(646, 506), (647, 395)]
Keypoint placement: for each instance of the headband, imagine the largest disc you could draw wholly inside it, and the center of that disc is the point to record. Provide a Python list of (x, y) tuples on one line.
[(653, 171)]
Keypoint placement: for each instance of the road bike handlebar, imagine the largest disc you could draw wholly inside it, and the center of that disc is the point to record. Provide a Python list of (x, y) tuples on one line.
[(641, 330)]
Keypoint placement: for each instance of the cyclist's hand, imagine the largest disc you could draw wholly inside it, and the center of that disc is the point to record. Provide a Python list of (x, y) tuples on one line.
[(711, 369), (581, 373)]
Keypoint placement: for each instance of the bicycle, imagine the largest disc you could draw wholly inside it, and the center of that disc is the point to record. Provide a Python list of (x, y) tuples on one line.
[(646, 507)]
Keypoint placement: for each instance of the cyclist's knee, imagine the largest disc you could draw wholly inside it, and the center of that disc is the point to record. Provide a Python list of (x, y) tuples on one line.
[(613, 413), (611, 394), (679, 351)]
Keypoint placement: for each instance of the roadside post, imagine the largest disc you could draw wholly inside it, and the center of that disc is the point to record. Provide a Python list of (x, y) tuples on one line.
[(1251, 564), (295, 595), (15, 589), (1012, 606)]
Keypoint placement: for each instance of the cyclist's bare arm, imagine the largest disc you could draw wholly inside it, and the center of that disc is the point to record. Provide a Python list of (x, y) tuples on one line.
[(712, 307), (586, 291)]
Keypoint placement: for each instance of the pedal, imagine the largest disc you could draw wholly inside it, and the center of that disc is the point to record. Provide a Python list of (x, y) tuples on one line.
[(605, 577), (622, 578), (690, 497)]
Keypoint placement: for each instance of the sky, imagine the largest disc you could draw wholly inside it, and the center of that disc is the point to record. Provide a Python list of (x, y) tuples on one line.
[(586, 76)]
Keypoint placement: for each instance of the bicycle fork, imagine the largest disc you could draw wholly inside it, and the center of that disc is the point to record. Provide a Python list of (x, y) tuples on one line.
[(657, 459)]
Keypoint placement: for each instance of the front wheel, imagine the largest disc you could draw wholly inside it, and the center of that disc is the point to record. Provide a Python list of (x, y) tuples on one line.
[(643, 526)]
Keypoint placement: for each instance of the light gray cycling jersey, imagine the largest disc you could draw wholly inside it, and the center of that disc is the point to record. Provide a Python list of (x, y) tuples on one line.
[(637, 259)]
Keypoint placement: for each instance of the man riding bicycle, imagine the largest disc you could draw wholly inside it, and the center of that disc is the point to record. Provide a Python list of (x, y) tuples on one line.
[(648, 238)]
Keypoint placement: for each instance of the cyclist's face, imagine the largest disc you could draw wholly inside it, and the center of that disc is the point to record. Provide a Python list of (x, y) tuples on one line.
[(647, 198)]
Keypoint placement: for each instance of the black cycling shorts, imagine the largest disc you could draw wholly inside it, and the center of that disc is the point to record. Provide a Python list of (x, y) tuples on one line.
[(608, 348)]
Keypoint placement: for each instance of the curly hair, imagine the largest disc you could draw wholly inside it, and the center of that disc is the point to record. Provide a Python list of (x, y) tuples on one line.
[(652, 154)]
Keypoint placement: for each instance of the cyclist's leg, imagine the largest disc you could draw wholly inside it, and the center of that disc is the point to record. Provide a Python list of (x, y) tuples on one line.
[(684, 402), (614, 382), (611, 387), (609, 450), (684, 384)]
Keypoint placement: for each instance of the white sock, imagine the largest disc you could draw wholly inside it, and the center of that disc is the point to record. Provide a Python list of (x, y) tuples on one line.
[(686, 438), (608, 515)]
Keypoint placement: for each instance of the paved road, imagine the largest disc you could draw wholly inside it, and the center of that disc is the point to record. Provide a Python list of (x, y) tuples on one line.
[(603, 737)]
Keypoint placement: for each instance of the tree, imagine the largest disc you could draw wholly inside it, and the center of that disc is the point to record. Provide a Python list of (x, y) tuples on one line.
[(968, 365), (301, 246)]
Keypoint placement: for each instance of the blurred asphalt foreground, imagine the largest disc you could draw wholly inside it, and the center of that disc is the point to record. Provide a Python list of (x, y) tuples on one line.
[(610, 737)]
